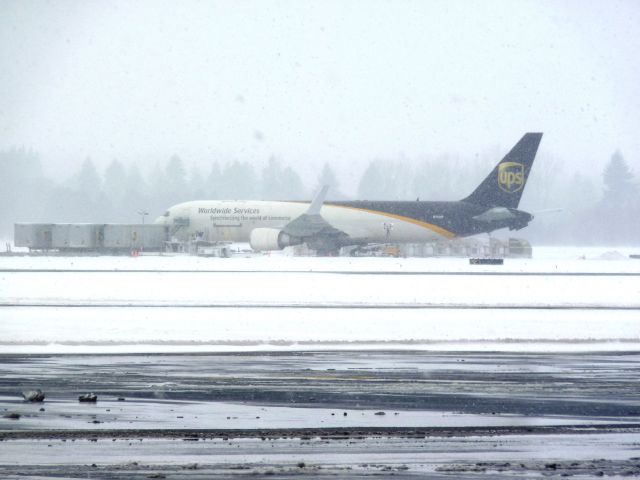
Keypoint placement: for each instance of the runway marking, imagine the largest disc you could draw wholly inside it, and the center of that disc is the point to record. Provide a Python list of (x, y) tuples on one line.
[(323, 306), (338, 272), (382, 346)]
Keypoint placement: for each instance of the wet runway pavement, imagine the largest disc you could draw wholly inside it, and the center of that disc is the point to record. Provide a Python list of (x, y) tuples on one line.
[(351, 414)]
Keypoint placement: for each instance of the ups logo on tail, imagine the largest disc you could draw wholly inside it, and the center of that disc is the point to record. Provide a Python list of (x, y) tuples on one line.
[(510, 176)]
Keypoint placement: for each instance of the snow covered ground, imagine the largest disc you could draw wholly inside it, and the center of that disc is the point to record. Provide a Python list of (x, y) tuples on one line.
[(567, 299), (546, 259), (202, 329)]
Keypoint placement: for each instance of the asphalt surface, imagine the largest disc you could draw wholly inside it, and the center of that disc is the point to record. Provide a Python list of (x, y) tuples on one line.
[(321, 414)]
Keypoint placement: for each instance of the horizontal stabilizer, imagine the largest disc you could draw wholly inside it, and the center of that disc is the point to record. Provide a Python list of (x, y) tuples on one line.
[(548, 210), (495, 214)]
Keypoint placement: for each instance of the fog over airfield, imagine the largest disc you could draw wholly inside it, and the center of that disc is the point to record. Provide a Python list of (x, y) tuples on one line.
[(311, 82)]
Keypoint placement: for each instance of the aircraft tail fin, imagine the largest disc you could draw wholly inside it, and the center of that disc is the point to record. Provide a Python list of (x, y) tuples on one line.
[(505, 184)]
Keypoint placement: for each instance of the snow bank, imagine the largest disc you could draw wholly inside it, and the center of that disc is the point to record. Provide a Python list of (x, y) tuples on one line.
[(214, 329), (546, 259), (320, 290)]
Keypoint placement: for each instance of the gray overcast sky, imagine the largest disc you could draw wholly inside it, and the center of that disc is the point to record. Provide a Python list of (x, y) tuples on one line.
[(338, 81)]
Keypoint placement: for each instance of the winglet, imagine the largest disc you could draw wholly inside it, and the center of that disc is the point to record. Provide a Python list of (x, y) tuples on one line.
[(318, 200)]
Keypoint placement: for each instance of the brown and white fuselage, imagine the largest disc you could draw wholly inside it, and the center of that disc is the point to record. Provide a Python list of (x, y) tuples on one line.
[(270, 225), (234, 220)]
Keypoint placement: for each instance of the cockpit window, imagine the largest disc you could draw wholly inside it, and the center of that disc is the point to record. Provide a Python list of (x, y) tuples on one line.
[(166, 214)]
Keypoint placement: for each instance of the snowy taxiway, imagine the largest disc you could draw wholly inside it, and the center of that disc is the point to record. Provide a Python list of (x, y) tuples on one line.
[(568, 299)]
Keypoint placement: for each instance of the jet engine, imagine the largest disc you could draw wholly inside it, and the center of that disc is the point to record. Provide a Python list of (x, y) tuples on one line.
[(262, 239)]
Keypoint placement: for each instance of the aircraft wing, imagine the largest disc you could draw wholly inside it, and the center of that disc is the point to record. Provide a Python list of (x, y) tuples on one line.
[(314, 230)]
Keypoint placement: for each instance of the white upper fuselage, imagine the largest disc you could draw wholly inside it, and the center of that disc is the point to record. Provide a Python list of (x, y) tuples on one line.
[(233, 220)]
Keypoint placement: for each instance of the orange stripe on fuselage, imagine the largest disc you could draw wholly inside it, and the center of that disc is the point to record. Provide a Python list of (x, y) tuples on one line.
[(430, 226)]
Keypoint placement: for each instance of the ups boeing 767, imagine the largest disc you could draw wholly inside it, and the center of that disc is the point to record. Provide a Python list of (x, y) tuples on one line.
[(327, 226)]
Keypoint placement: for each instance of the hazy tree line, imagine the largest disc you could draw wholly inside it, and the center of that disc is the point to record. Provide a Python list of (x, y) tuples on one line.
[(595, 209), (120, 192)]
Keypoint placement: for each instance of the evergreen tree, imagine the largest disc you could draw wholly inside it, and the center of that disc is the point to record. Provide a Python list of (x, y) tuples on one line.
[(280, 183), (577, 202), (439, 179), (176, 180), (158, 186), (87, 180), (372, 182), (18, 165), (619, 208), (547, 184), (387, 180), (271, 185), (197, 184), (238, 182), (136, 197), (398, 180), (135, 182), (115, 182), (293, 189), (213, 184), (328, 177), (619, 187), (24, 191)]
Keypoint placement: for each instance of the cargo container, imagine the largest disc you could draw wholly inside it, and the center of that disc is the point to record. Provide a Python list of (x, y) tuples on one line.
[(90, 237), (149, 237), (116, 236), (77, 236), (35, 236), (133, 237)]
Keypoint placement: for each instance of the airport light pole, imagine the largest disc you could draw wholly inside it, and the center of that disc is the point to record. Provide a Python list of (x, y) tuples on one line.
[(143, 213)]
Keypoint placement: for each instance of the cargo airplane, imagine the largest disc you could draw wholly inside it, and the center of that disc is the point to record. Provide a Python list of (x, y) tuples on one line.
[(328, 226)]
